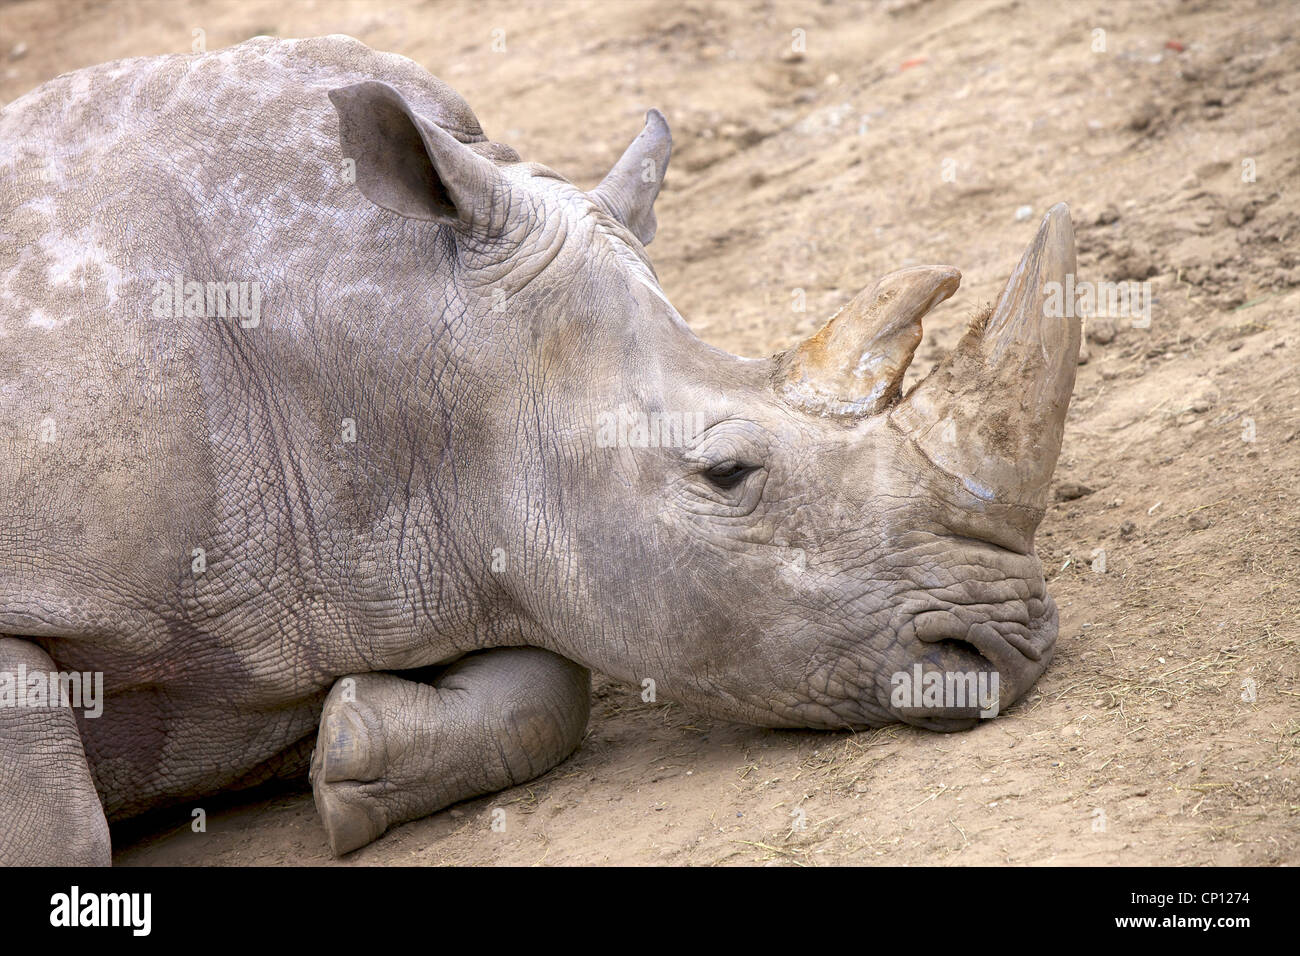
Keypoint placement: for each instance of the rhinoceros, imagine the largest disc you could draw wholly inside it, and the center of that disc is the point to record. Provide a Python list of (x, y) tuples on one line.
[(339, 442)]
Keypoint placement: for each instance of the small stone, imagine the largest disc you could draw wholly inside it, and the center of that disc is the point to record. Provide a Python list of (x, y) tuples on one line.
[(1127, 529), (1023, 213), (1241, 214), (1136, 265), (1071, 490), (1101, 331), (18, 51), (1108, 215), (1198, 522), (1144, 116)]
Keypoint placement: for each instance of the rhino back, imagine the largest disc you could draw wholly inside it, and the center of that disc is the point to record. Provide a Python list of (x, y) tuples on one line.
[(131, 438)]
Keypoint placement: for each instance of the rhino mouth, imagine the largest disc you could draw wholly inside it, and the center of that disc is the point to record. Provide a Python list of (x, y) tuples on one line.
[(1003, 649), (994, 640)]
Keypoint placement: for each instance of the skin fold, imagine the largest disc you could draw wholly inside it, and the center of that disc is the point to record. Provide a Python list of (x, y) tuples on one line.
[(247, 523)]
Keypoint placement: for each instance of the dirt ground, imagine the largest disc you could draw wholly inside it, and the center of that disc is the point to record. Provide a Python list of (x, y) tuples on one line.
[(1168, 728)]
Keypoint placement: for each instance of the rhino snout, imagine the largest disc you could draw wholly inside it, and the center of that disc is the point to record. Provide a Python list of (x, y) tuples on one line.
[(966, 668)]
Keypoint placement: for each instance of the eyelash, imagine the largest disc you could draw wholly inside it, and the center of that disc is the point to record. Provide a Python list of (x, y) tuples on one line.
[(729, 474)]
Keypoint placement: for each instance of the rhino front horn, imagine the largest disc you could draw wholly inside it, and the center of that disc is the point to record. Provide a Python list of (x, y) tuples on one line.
[(854, 365), (993, 413)]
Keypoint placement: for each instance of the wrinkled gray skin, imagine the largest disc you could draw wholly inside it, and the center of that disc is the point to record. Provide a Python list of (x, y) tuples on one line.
[(474, 316)]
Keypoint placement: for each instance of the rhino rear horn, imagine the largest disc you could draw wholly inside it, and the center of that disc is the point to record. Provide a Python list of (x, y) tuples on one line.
[(414, 167), (992, 415), (628, 193), (854, 365)]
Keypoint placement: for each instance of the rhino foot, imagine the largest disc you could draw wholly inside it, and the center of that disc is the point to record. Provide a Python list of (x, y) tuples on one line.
[(391, 750), (50, 813), (347, 764)]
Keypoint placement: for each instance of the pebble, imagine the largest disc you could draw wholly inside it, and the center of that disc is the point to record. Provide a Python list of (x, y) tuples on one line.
[(1071, 490), (1101, 331), (1240, 215), (1107, 216), (1144, 116)]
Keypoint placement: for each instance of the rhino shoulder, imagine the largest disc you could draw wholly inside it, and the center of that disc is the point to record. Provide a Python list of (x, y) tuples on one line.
[(125, 97), (339, 59)]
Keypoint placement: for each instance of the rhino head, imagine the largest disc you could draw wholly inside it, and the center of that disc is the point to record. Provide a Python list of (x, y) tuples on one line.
[(784, 541)]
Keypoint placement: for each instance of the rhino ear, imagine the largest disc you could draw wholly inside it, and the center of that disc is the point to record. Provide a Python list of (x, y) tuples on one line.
[(411, 166), (628, 192)]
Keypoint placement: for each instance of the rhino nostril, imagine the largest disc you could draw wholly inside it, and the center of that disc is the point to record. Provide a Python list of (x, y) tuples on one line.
[(992, 643), (960, 653)]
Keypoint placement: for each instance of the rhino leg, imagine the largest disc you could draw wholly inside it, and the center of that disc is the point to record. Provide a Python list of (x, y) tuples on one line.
[(391, 750), (50, 814)]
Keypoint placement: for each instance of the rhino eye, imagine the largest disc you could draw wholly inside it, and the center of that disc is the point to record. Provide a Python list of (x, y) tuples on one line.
[(728, 474)]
